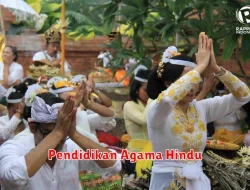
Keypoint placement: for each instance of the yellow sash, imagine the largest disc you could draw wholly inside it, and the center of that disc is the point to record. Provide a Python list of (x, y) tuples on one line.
[(145, 146)]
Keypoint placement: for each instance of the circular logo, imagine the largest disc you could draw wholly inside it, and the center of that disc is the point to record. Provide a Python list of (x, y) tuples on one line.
[(243, 14)]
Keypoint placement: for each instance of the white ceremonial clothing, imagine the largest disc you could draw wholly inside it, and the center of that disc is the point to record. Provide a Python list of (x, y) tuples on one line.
[(169, 128), (15, 70), (64, 174), (44, 55), (8, 126)]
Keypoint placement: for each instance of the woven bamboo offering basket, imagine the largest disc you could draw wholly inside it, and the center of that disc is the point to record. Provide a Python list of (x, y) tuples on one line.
[(220, 145)]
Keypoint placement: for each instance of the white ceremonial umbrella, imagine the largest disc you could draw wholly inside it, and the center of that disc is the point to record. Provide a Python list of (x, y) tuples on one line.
[(19, 5), (19, 8)]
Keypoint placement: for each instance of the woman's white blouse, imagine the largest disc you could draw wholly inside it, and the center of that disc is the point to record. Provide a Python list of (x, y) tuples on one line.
[(15, 70), (169, 128)]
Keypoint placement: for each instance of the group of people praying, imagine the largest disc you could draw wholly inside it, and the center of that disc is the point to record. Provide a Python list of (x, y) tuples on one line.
[(168, 108)]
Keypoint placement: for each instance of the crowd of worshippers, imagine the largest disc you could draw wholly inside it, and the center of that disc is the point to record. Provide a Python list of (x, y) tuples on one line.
[(175, 105)]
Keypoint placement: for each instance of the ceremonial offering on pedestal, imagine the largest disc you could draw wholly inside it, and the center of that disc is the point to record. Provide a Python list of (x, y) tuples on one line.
[(38, 69), (220, 145), (105, 77), (102, 75)]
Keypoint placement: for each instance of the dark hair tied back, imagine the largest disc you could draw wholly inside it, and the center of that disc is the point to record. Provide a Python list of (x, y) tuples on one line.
[(165, 72)]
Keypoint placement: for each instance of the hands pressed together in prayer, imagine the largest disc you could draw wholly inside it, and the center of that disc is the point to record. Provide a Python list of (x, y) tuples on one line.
[(95, 95), (205, 58), (66, 120), (65, 127), (82, 95)]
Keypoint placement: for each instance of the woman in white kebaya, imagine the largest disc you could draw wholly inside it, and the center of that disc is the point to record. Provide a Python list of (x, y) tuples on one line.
[(13, 123), (175, 120), (228, 128), (11, 72)]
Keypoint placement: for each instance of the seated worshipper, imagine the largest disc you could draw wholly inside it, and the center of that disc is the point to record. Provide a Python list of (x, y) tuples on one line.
[(134, 113), (177, 122), (96, 95), (25, 164), (131, 64), (11, 72), (13, 122), (103, 119), (82, 120), (51, 55), (228, 128), (30, 94), (106, 57)]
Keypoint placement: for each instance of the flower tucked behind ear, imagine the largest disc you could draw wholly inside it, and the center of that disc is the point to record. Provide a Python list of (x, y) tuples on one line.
[(169, 53), (175, 53), (31, 98), (31, 93)]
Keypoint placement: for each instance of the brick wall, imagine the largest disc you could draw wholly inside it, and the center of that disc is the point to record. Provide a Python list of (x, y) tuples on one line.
[(8, 17), (83, 54)]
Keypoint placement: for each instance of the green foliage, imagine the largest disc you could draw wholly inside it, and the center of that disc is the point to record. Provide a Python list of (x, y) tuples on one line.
[(85, 19), (152, 24), (50, 7), (230, 44), (159, 21)]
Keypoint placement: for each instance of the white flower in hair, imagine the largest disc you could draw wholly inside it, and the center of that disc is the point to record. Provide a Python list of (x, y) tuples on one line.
[(132, 61), (31, 93), (169, 52)]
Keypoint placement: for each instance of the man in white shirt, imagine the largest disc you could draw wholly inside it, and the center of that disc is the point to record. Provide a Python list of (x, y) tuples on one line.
[(24, 163), (51, 55), (106, 57)]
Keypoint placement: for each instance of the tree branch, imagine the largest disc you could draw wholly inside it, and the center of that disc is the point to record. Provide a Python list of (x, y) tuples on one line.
[(126, 43), (185, 36), (240, 64), (200, 16), (191, 14)]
